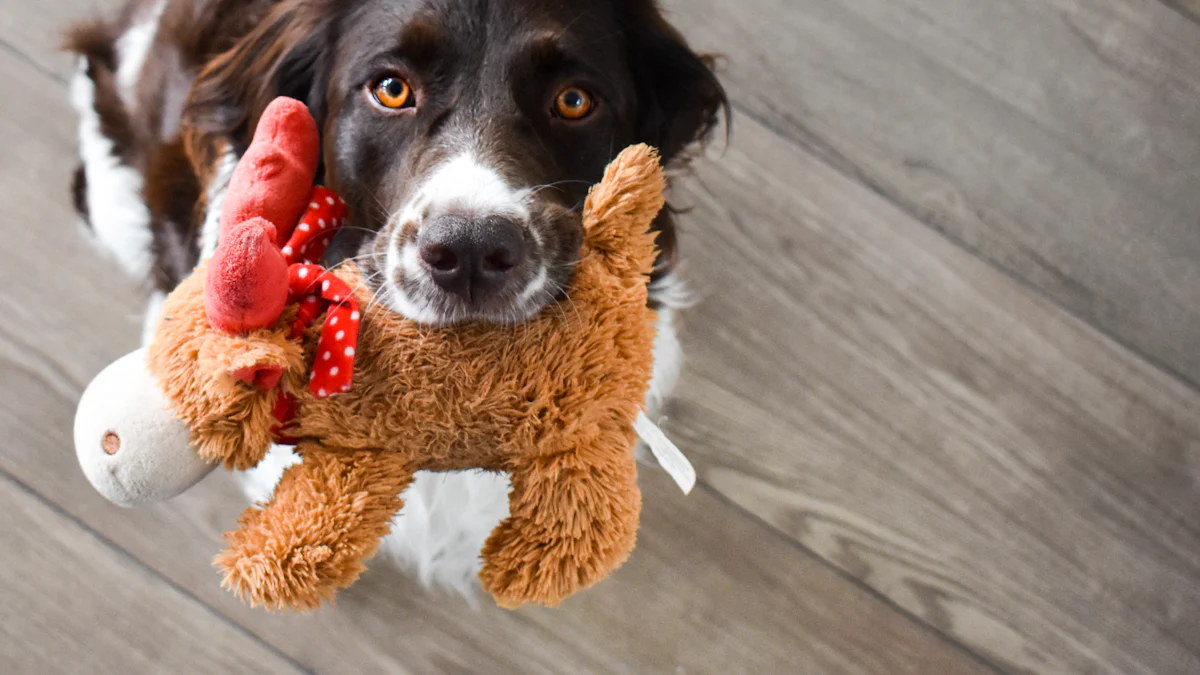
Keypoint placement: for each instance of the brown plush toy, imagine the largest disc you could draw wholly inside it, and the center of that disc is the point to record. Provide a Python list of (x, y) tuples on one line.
[(551, 401)]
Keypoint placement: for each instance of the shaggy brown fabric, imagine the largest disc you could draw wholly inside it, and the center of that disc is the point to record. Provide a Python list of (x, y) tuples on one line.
[(551, 401)]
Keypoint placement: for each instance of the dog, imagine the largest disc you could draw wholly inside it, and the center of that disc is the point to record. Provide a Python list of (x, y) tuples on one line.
[(462, 134)]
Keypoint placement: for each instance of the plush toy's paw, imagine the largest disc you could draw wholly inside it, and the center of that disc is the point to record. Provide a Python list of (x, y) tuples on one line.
[(525, 564), (279, 580), (326, 517), (279, 565)]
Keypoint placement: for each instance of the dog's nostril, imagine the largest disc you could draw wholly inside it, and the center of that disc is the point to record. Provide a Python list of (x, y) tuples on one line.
[(501, 260), (440, 258)]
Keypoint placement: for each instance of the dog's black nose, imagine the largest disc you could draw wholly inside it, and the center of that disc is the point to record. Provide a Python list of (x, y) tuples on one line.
[(471, 257)]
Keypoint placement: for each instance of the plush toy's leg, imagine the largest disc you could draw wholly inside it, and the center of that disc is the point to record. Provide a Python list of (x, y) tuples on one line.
[(327, 516), (574, 520)]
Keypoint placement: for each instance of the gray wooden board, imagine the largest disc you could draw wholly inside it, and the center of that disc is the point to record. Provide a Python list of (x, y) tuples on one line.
[(73, 604), (1059, 139), (933, 428)]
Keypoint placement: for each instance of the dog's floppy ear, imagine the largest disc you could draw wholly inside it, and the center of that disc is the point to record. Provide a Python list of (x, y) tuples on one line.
[(287, 54), (680, 99)]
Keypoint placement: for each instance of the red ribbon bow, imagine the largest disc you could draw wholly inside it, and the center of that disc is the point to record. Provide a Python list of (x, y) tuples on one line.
[(317, 290)]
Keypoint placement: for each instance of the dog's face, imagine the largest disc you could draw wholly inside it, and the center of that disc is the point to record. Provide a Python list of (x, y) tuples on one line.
[(468, 132), (464, 134)]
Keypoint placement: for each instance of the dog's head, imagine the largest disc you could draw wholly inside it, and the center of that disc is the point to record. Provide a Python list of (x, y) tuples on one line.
[(464, 134)]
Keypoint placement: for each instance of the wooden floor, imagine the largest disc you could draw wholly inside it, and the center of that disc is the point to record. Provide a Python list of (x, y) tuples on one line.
[(943, 392)]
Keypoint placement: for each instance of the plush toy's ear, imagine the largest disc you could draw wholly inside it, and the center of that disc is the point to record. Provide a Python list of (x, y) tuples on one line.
[(620, 209), (259, 359), (130, 445)]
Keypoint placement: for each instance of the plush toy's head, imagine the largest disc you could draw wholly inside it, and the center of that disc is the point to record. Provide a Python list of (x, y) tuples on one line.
[(551, 401), (131, 445)]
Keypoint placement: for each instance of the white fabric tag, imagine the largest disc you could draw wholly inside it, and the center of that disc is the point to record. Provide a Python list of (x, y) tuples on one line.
[(669, 456)]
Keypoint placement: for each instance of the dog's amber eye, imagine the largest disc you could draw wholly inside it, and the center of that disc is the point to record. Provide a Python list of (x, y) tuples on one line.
[(573, 103), (393, 93)]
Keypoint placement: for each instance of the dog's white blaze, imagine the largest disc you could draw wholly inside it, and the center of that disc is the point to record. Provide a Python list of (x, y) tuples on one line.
[(132, 49), (464, 184), (119, 217), (460, 185)]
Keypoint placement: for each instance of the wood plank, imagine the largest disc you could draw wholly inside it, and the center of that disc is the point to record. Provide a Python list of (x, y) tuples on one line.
[(947, 435), (37, 36), (708, 590), (73, 604), (1059, 139), (1188, 8)]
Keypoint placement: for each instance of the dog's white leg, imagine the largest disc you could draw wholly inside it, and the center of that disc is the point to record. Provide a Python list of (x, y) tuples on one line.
[(117, 213), (119, 218)]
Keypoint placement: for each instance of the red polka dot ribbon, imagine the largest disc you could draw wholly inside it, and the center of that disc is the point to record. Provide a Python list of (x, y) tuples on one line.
[(319, 291), (325, 215)]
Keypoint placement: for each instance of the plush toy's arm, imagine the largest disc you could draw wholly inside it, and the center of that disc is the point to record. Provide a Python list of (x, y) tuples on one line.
[(574, 520), (620, 209), (327, 516)]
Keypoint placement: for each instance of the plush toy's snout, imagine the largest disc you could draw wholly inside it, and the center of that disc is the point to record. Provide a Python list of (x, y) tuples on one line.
[(132, 447)]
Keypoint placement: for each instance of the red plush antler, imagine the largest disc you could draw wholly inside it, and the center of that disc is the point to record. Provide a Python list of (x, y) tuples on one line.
[(247, 283)]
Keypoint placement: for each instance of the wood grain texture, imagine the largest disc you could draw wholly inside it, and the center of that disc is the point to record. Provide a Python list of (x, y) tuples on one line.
[(709, 589), (1188, 8), (72, 604), (1059, 139), (948, 436), (36, 36)]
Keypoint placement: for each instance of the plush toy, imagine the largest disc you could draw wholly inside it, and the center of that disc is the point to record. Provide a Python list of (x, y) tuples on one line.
[(369, 397)]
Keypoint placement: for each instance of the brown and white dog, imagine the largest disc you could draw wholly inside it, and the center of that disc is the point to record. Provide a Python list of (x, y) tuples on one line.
[(463, 135)]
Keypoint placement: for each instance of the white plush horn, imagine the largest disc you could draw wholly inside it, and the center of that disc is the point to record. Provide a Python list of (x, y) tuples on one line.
[(130, 445)]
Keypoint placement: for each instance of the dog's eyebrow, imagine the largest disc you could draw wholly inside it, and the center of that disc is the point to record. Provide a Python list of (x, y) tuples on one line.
[(546, 48), (547, 52), (419, 38)]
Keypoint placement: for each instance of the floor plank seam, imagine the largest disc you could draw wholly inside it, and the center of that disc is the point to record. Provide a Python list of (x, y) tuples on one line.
[(830, 157), (28, 60), (856, 582), (138, 562)]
